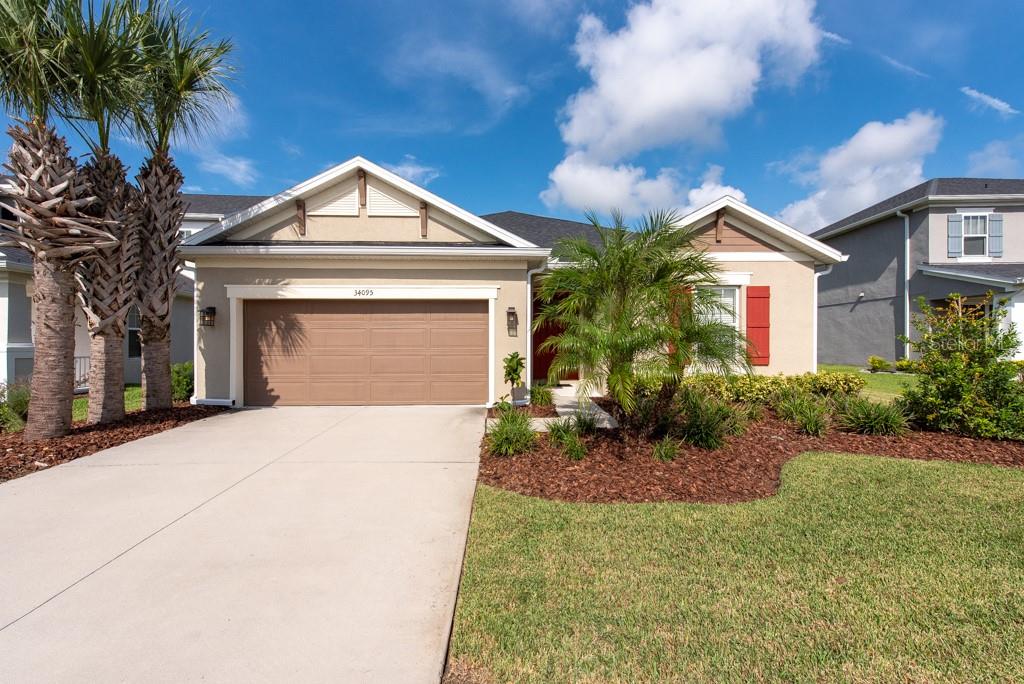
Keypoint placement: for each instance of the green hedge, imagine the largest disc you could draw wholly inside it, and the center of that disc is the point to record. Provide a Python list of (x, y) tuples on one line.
[(762, 389)]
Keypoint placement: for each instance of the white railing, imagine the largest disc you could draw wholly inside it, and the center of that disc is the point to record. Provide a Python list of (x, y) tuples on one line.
[(81, 372)]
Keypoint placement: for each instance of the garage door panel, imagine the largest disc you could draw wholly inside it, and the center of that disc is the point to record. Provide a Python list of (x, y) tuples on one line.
[(458, 364), (338, 365), (460, 338), (400, 365), (365, 352)]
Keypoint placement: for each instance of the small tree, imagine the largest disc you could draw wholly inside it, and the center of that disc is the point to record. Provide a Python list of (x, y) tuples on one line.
[(633, 314), (967, 383), (514, 366)]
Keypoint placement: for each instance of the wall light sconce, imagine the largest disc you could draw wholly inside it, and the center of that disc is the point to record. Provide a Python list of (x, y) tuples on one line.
[(207, 316), (512, 319)]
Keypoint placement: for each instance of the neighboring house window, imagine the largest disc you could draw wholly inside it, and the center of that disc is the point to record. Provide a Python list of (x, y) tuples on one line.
[(134, 325), (729, 297), (975, 235)]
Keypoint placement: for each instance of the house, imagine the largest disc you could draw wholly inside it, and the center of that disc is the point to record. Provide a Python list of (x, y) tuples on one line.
[(946, 235), (359, 287), (16, 303)]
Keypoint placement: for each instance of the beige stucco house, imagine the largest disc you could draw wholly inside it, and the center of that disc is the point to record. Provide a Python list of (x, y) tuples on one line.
[(359, 287)]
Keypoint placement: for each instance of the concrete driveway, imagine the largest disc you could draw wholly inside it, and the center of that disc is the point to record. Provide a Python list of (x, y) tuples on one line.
[(265, 545)]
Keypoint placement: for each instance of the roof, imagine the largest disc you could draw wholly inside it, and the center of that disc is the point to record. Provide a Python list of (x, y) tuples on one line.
[(219, 205), (934, 189), (542, 231), (317, 183), (15, 255), (1007, 274), (769, 226)]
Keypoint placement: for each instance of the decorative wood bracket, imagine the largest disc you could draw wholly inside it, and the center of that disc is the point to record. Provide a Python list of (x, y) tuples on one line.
[(300, 215), (361, 175), (719, 225), (423, 219)]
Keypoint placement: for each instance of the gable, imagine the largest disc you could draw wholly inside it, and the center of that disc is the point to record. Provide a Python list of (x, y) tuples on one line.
[(353, 203), (731, 238)]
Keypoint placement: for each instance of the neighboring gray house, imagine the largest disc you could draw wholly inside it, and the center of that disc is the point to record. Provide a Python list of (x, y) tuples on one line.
[(963, 235), (16, 345)]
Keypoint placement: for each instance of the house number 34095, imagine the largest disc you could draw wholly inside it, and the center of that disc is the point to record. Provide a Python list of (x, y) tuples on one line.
[(363, 293)]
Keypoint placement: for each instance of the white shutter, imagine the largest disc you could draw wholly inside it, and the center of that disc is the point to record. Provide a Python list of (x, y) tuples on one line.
[(380, 204)]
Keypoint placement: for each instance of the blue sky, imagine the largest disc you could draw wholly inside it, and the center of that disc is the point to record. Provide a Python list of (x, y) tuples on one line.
[(808, 111)]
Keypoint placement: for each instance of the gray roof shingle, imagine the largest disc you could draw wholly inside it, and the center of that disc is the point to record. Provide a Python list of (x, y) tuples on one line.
[(1011, 273), (542, 231), (222, 205), (933, 187)]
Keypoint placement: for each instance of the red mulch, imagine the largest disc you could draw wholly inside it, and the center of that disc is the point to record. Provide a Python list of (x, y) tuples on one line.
[(18, 457), (619, 468), (532, 409)]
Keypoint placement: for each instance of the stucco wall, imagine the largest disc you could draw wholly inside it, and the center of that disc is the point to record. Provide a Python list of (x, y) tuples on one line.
[(1013, 231), (792, 312), (212, 363)]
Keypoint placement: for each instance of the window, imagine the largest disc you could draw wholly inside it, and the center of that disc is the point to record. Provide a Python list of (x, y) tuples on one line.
[(975, 235), (134, 325), (729, 298)]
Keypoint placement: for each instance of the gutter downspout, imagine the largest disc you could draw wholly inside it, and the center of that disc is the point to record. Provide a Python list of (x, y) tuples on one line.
[(529, 324), (906, 280), (814, 321)]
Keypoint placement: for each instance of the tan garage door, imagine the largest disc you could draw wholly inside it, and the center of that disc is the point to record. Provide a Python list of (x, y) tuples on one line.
[(365, 352)]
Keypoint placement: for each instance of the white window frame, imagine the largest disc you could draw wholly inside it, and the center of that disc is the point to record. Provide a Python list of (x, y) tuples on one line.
[(735, 289), (964, 216)]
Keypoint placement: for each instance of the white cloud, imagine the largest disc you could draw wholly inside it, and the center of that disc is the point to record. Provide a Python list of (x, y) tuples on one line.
[(672, 74), (238, 170), (290, 148), (580, 183), (464, 64), (412, 170), (192, 188), (997, 159), (980, 99), (540, 16), (900, 66), (676, 70), (835, 38), (880, 160)]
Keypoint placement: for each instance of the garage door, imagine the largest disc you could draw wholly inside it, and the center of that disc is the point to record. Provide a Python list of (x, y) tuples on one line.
[(365, 352)]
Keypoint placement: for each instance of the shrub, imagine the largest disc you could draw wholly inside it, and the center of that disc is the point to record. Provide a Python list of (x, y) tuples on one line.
[(906, 365), (966, 383), (559, 429), (831, 384), (540, 395), (665, 449), (573, 448), (703, 421), (511, 434), (182, 381), (14, 401), (763, 389), (808, 412), (584, 421), (876, 364), (872, 418)]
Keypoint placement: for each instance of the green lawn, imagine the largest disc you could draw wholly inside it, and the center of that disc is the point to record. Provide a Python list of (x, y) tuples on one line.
[(861, 569), (881, 386), (132, 402)]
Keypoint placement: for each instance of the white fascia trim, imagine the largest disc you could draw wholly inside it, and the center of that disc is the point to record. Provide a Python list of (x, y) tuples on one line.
[(972, 278), (734, 278), (360, 250), (360, 291), (311, 186), (819, 250), (727, 257)]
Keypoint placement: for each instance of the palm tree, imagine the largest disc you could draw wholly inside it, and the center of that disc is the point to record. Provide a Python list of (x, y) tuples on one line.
[(632, 311), (105, 82), (49, 196), (187, 75)]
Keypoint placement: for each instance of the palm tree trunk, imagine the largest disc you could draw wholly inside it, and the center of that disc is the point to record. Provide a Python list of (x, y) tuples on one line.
[(161, 209), (53, 375), (106, 377), (156, 365)]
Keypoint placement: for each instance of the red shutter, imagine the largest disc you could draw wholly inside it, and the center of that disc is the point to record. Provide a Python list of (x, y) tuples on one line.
[(759, 323)]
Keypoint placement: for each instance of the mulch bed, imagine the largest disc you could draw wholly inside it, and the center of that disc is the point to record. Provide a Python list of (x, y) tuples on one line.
[(619, 468), (18, 457), (533, 410)]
